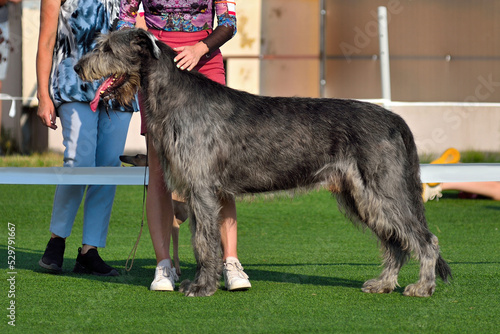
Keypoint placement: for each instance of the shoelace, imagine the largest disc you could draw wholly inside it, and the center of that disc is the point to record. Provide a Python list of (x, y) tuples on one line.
[(170, 272), (235, 270)]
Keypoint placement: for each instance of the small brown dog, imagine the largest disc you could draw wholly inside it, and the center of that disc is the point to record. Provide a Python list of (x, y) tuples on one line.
[(180, 206)]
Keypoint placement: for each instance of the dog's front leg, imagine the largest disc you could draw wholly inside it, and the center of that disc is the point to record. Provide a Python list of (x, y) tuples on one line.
[(205, 237)]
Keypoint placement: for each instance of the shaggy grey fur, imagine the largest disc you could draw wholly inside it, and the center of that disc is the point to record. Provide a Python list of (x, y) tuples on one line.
[(216, 142)]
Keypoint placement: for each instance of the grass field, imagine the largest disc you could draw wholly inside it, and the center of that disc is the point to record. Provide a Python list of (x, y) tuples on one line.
[(306, 263)]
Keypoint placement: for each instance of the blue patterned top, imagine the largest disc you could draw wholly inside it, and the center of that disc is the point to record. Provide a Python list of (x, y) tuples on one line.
[(80, 21)]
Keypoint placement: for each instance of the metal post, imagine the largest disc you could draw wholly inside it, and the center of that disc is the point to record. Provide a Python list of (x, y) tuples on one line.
[(322, 49), (384, 53)]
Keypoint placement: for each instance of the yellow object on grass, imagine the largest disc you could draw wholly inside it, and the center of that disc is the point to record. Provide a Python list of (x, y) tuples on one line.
[(450, 156)]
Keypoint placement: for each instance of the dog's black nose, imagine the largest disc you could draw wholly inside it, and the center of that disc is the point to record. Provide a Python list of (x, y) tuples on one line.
[(77, 68)]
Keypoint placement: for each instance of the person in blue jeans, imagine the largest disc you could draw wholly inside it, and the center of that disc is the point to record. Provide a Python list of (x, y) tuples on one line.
[(91, 139)]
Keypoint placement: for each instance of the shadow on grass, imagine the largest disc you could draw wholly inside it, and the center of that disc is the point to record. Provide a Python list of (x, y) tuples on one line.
[(453, 194), (285, 277), (142, 271)]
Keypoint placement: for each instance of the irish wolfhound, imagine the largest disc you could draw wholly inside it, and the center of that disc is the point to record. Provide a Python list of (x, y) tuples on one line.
[(215, 142)]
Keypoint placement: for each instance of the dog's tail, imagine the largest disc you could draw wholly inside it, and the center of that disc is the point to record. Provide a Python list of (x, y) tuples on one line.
[(443, 269), (411, 150), (412, 170), (415, 187)]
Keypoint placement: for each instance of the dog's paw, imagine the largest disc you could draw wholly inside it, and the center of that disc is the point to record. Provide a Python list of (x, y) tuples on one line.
[(420, 289), (377, 286), (192, 289)]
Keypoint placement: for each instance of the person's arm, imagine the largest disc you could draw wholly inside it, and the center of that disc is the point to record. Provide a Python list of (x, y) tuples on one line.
[(49, 16), (189, 56), (226, 25)]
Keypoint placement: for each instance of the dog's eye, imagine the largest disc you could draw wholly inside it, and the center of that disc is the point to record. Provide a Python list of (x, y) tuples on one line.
[(106, 48)]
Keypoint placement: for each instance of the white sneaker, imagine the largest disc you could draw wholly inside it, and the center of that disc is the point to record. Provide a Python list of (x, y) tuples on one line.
[(165, 277), (234, 276), (431, 193)]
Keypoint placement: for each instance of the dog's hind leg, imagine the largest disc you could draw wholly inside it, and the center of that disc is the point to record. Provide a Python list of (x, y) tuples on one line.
[(383, 207), (397, 218), (425, 247), (205, 237), (394, 258), (427, 252)]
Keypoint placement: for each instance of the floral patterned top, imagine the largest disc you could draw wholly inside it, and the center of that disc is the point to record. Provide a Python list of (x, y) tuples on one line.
[(183, 15), (79, 22)]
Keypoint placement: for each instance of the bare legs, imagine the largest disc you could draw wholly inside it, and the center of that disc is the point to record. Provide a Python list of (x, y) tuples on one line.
[(159, 210), (488, 189), (229, 229)]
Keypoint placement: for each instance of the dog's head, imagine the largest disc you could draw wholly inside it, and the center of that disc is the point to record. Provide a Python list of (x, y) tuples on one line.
[(118, 57)]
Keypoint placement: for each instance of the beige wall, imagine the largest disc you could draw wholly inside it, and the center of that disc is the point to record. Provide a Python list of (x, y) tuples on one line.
[(439, 50), (290, 43), (243, 51), (465, 127), (30, 25)]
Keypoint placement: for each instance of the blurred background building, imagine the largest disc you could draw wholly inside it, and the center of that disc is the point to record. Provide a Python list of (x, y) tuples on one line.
[(444, 64)]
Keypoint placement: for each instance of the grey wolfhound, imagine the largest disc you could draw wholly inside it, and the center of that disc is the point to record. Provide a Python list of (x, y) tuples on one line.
[(215, 142)]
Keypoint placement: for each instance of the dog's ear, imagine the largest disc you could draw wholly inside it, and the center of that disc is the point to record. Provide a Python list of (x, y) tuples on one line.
[(150, 40)]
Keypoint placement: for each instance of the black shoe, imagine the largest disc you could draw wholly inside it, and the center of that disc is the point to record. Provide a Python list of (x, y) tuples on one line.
[(91, 263), (53, 256)]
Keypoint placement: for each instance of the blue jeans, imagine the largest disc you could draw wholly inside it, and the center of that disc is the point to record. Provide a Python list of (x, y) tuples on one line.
[(90, 140)]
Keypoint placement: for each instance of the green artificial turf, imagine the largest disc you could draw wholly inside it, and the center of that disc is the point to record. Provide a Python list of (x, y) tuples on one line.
[(306, 263)]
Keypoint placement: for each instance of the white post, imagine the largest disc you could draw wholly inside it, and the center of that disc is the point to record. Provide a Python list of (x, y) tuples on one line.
[(384, 53)]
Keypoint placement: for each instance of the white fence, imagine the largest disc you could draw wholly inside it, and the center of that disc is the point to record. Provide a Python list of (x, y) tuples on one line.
[(136, 175)]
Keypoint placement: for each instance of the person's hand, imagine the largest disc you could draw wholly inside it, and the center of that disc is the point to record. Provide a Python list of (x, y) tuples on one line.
[(189, 56), (47, 113)]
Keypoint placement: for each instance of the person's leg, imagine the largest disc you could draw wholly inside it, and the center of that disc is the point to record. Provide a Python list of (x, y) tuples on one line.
[(79, 143), (79, 129), (108, 132), (112, 129), (111, 134), (234, 276), (229, 229), (488, 189), (159, 209), (160, 216)]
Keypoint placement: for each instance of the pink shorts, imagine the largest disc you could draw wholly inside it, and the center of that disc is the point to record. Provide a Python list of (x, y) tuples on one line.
[(212, 67)]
